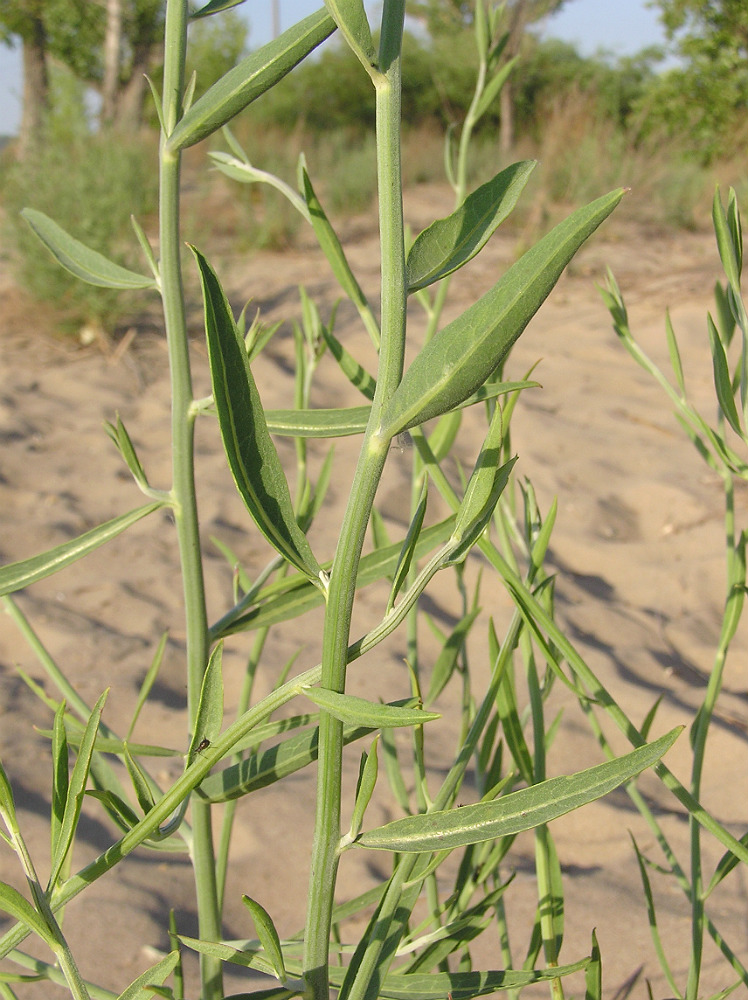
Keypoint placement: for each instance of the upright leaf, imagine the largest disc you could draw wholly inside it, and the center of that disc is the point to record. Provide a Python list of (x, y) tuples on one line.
[(249, 79), (350, 17), (251, 454), (209, 718), (461, 356), (449, 243), (268, 936)]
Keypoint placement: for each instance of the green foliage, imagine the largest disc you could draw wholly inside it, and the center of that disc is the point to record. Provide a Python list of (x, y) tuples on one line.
[(90, 184), (216, 45)]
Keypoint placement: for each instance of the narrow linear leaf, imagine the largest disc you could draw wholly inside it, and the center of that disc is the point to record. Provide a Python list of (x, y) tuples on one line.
[(406, 554), (12, 902), (462, 355), (76, 791), (148, 682), (493, 87), (722, 381), (350, 16), (449, 243), (353, 371), (209, 717), (87, 264), (319, 423), (267, 935), (16, 576), (594, 973), (251, 454), (446, 661), (465, 985), (140, 988), (360, 712), (214, 7), (7, 804), (60, 776), (516, 811), (143, 791), (249, 79), (367, 779), (728, 252)]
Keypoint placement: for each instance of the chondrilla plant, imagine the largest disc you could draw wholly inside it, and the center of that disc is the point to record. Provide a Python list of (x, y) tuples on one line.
[(420, 921)]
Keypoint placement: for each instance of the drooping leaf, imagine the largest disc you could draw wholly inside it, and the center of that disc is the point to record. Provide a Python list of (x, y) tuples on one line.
[(517, 811), (16, 576), (360, 712), (449, 243), (249, 79), (462, 355), (87, 264), (251, 454)]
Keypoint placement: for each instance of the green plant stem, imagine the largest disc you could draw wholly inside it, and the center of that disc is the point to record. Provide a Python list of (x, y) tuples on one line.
[(183, 473), (373, 454)]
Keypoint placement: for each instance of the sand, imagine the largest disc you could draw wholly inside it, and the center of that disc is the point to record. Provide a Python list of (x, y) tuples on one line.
[(637, 550)]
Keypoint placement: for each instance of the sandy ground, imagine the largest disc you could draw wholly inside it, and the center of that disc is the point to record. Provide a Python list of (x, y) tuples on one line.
[(637, 548)]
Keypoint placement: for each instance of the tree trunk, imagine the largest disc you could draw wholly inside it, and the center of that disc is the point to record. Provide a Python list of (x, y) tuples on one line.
[(112, 49), (506, 111), (35, 88)]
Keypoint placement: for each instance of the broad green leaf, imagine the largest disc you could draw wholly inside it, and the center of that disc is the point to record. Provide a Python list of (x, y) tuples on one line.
[(76, 791), (209, 718), (449, 243), (249, 79), (139, 989), (16, 576), (267, 935), (319, 423), (367, 779), (251, 454), (87, 264), (462, 355), (516, 811), (214, 7), (360, 712), (350, 17), (12, 902)]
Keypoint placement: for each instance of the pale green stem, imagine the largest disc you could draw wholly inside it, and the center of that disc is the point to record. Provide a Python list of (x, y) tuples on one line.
[(371, 461), (183, 474)]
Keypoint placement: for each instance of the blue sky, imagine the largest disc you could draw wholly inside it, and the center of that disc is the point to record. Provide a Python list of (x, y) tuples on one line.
[(615, 26)]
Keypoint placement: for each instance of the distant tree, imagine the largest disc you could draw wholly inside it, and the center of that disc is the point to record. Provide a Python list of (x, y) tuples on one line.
[(706, 97)]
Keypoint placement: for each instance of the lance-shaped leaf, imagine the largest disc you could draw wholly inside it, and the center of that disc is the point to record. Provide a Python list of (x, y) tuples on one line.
[(267, 935), (209, 718), (60, 776), (517, 811), (16, 576), (87, 264), (722, 381), (214, 7), (319, 423), (406, 555), (367, 779), (76, 791), (449, 243), (143, 791), (249, 79), (360, 712), (140, 988), (12, 902), (353, 371), (350, 16), (461, 356), (251, 454)]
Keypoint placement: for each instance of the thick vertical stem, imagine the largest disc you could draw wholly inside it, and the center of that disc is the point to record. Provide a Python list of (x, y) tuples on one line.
[(183, 473), (368, 473)]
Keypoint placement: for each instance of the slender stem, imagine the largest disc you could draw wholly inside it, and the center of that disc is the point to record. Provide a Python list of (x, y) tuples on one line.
[(374, 450), (183, 473)]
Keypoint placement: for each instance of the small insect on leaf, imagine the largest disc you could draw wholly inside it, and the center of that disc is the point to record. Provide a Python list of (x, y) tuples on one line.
[(203, 745)]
